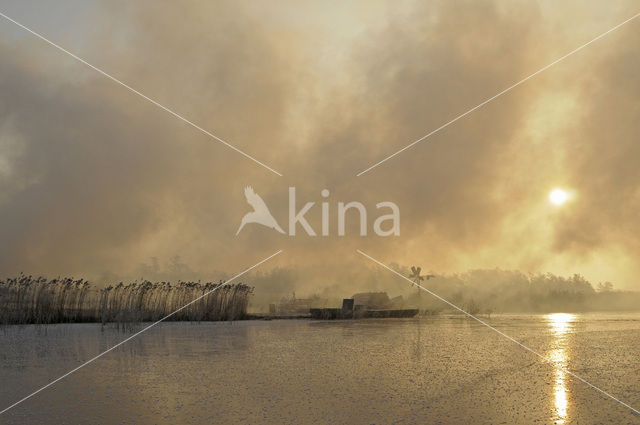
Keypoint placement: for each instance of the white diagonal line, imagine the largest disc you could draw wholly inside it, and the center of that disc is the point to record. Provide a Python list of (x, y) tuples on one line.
[(497, 95), (546, 359), (139, 332), (114, 79)]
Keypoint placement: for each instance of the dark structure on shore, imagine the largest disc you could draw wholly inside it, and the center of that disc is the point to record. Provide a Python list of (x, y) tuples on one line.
[(362, 306)]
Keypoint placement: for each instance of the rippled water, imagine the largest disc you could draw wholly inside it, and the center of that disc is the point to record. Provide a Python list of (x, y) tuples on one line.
[(435, 370)]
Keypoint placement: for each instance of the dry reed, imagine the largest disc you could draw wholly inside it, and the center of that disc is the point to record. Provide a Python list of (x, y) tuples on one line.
[(37, 300)]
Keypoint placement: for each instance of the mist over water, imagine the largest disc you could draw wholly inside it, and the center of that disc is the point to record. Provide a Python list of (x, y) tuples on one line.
[(522, 212), (439, 370), (95, 181)]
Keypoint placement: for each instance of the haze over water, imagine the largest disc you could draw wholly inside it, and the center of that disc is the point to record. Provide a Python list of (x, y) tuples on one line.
[(435, 370)]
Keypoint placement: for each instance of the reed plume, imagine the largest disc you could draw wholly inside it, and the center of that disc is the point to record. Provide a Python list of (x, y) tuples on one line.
[(37, 300)]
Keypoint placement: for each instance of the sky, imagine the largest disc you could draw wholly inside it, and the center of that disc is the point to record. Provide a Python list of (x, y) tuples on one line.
[(96, 181)]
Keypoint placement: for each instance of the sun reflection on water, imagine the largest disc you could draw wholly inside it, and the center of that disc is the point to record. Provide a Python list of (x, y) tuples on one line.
[(560, 324), (560, 396)]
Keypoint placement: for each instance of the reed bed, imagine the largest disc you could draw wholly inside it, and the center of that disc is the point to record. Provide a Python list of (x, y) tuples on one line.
[(37, 300)]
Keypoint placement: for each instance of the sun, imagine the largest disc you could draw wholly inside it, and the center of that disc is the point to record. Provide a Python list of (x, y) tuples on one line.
[(558, 196)]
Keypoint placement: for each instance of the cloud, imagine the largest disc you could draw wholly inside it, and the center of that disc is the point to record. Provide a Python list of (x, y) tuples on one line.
[(95, 179)]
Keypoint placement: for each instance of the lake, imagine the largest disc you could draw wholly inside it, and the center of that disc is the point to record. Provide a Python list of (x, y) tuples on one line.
[(444, 369)]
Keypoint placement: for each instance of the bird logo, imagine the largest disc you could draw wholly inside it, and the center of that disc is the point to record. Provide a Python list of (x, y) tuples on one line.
[(260, 213)]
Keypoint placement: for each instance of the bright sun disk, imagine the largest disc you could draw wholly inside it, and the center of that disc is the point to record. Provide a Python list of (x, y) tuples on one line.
[(558, 196)]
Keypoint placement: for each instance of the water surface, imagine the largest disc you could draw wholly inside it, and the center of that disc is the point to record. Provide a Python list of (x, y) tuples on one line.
[(428, 370)]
